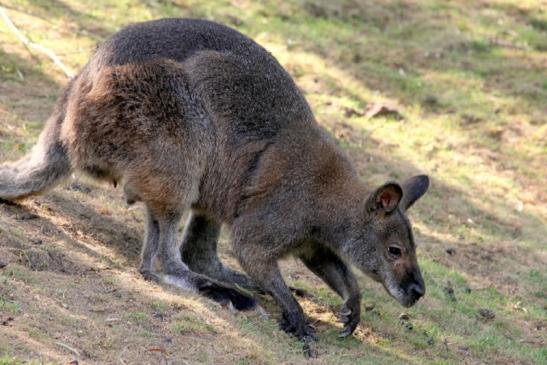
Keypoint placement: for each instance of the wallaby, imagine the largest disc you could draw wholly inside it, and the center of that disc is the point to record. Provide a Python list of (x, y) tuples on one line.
[(192, 115)]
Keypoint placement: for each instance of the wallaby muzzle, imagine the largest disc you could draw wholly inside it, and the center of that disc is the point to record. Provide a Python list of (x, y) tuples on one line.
[(407, 291), (413, 288)]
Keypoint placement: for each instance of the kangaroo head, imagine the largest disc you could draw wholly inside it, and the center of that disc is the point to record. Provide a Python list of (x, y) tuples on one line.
[(385, 249)]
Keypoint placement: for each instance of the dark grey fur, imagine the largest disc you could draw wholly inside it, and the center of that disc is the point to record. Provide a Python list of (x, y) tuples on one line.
[(190, 114)]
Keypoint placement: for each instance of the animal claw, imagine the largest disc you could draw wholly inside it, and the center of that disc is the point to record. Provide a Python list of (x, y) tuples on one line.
[(345, 312), (350, 318)]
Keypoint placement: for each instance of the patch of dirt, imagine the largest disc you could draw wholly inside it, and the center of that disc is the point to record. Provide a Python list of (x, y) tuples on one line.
[(68, 281)]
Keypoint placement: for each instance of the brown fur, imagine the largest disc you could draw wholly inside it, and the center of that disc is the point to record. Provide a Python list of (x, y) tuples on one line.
[(189, 114)]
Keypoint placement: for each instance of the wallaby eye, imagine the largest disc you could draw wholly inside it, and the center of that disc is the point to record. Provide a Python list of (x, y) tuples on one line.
[(394, 251)]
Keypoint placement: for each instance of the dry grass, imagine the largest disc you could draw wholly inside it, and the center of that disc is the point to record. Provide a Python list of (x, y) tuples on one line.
[(470, 79)]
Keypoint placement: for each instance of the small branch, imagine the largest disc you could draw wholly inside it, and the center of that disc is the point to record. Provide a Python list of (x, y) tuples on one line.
[(27, 43), (71, 349)]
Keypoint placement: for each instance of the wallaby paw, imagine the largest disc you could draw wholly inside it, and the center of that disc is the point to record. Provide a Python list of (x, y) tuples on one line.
[(306, 335), (347, 331), (148, 275), (292, 325), (350, 317)]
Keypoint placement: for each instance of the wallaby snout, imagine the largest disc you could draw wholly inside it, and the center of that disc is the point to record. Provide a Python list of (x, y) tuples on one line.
[(407, 287), (413, 287), (409, 283)]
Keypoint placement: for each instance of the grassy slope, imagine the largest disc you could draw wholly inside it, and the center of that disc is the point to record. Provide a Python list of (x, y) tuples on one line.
[(470, 78)]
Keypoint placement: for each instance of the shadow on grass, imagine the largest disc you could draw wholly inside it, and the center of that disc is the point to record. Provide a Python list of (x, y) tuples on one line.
[(493, 224), (115, 234), (48, 10), (398, 31), (79, 224), (23, 78)]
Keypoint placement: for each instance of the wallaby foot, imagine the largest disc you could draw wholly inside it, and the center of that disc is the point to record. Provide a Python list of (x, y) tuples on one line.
[(186, 280), (224, 295), (219, 292), (199, 251), (160, 246)]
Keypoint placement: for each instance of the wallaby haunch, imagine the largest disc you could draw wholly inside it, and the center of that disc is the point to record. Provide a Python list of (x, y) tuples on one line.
[(190, 114)]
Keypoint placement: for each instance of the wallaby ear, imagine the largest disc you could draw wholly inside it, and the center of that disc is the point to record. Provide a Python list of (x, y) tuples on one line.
[(413, 189), (385, 198)]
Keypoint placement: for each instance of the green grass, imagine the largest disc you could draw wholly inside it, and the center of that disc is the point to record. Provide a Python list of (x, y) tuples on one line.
[(9, 306), (6, 360), (17, 272), (159, 307), (469, 79), (139, 317), (190, 324)]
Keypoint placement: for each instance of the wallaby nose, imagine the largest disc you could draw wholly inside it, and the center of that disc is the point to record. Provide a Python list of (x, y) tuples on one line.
[(417, 290)]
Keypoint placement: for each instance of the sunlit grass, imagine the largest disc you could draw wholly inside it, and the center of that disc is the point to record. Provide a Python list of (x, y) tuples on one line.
[(469, 79)]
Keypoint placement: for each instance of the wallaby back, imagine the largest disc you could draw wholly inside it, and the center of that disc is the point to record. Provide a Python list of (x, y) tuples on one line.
[(189, 104)]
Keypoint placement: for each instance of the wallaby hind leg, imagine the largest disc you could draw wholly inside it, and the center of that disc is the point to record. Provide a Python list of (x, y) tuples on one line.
[(199, 251), (173, 271), (339, 278), (150, 247)]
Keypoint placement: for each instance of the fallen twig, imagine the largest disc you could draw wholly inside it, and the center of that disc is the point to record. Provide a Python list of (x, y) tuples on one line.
[(33, 45), (71, 349)]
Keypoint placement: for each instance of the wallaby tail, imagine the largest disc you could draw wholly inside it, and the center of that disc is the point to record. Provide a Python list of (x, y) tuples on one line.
[(44, 167)]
